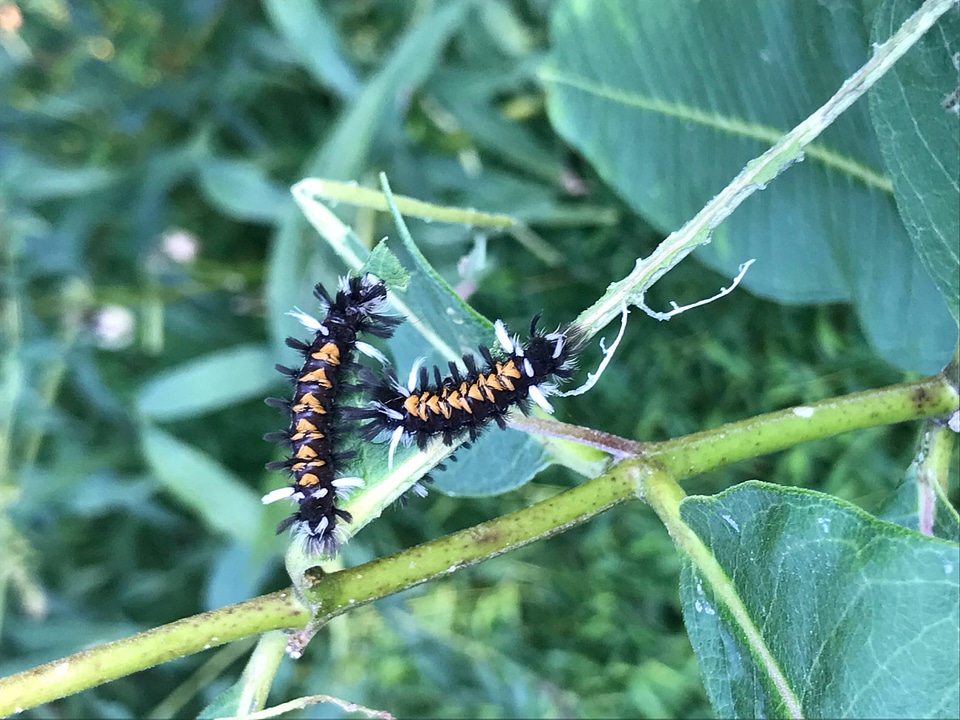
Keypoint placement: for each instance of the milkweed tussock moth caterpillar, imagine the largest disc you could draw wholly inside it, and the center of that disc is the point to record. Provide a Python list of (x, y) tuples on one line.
[(464, 402), (315, 417)]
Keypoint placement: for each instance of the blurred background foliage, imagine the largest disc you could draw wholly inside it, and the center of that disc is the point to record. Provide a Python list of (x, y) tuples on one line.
[(145, 154)]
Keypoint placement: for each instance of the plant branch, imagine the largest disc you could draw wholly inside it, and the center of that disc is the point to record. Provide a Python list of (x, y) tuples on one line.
[(700, 452), (331, 594), (336, 593), (697, 453), (334, 191), (101, 664)]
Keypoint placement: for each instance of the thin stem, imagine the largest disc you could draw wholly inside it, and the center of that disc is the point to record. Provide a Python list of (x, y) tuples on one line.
[(75, 300), (620, 448), (353, 194), (214, 667), (679, 309), (305, 702), (932, 473), (11, 367), (260, 671)]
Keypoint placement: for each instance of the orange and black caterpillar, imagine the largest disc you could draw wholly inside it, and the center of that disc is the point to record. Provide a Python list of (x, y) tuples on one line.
[(314, 414), (464, 402)]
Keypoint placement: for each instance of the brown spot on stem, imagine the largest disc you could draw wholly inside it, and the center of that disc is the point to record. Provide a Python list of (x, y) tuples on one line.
[(921, 398), (483, 535)]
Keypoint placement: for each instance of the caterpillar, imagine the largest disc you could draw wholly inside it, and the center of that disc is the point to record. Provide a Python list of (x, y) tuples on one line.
[(465, 402), (314, 413)]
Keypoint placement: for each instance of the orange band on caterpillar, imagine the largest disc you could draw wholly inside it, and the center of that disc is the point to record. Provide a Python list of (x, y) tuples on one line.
[(465, 402)]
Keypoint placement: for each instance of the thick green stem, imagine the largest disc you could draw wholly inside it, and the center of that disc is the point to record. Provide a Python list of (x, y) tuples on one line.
[(335, 593), (703, 451), (332, 595), (98, 665)]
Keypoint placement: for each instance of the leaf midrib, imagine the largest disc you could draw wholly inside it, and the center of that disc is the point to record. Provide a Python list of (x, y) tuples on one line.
[(735, 127)]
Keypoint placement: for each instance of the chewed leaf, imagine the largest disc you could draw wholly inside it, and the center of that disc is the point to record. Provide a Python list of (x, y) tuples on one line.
[(197, 387)]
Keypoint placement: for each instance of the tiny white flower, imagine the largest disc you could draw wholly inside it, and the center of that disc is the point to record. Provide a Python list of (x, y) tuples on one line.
[(180, 246), (113, 327)]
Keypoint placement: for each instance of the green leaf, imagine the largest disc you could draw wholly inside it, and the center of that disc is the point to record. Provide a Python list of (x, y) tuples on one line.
[(241, 189), (500, 461), (31, 178), (218, 496), (669, 101), (308, 31), (226, 704), (858, 617), (471, 98), (920, 141), (209, 383), (384, 264), (343, 154)]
